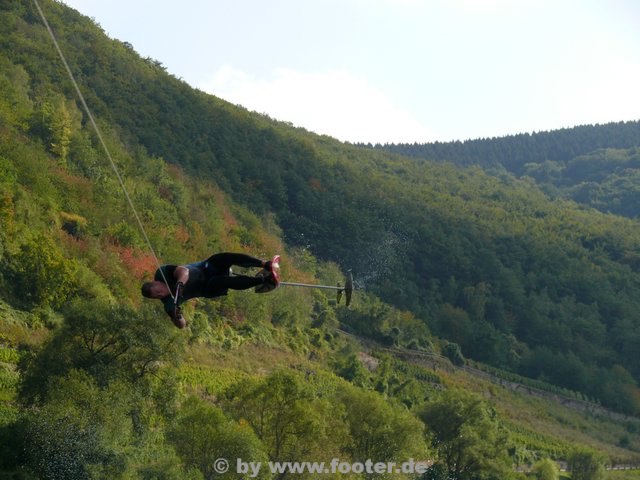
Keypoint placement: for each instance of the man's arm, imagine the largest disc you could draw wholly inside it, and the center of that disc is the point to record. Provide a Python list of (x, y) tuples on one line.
[(181, 274), (174, 312)]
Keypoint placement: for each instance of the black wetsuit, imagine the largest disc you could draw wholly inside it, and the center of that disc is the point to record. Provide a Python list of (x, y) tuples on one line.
[(209, 278)]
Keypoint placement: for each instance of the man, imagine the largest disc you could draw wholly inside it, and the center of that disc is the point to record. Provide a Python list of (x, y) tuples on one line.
[(210, 278)]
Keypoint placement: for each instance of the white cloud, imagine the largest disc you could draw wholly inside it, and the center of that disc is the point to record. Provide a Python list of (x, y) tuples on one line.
[(334, 103)]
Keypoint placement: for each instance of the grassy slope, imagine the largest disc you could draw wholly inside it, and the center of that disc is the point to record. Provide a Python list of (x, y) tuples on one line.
[(356, 207), (536, 425)]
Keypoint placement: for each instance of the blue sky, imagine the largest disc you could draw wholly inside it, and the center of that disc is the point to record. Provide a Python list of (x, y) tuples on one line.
[(397, 70)]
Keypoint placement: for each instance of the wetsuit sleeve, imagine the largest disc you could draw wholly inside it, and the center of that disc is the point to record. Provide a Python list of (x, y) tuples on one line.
[(168, 270), (169, 306)]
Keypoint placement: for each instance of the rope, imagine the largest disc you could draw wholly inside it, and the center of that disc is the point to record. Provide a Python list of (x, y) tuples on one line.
[(104, 145)]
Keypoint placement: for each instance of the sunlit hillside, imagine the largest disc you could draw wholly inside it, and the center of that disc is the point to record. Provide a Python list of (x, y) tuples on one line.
[(492, 327)]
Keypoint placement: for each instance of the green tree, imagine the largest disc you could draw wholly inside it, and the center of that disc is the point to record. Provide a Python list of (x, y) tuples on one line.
[(351, 368), (454, 324), (97, 408), (586, 465), (202, 434), (81, 432), (106, 341), (39, 275), (54, 123), (380, 431), (467, 437), (287, 416), (546, 469), (452, 352), (15, 104), (60, 128)]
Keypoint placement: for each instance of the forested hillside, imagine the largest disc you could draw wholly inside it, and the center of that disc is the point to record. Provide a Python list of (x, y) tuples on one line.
[(488, 262), (597, 165), (513, 152), (97, 383)]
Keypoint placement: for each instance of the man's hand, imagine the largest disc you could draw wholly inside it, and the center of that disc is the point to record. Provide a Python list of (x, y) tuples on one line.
[(178, 319)]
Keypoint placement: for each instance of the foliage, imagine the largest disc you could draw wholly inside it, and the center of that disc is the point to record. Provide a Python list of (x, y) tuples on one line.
[(546, 469), (482, 259), (53, 122), (104, 340), (597, 165), (81, 431), (467, 437), (202, 434), (490, 251), (452, 352), (518, 152), (287, 417), (379, 321), (378, 430), (39, 275), (586, 465), (351, 369)]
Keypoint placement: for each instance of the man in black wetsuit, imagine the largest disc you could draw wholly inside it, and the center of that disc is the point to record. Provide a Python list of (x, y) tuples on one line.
[(209, 278)]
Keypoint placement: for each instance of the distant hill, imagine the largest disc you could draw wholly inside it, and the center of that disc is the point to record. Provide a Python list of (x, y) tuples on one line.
[(597, 165), (513, 152)]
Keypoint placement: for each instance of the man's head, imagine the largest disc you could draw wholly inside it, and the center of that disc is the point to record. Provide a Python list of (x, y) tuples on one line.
[(155, 289)]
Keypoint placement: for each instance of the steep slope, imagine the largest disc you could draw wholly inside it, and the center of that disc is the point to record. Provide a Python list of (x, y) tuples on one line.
[(488, 262), (97, 383)]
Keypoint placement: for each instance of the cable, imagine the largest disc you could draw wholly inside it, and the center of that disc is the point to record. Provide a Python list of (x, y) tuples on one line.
[(104, 145)]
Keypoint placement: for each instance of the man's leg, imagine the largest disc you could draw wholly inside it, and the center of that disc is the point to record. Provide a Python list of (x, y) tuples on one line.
[(220, 277), (222, 262), (237, 282)]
